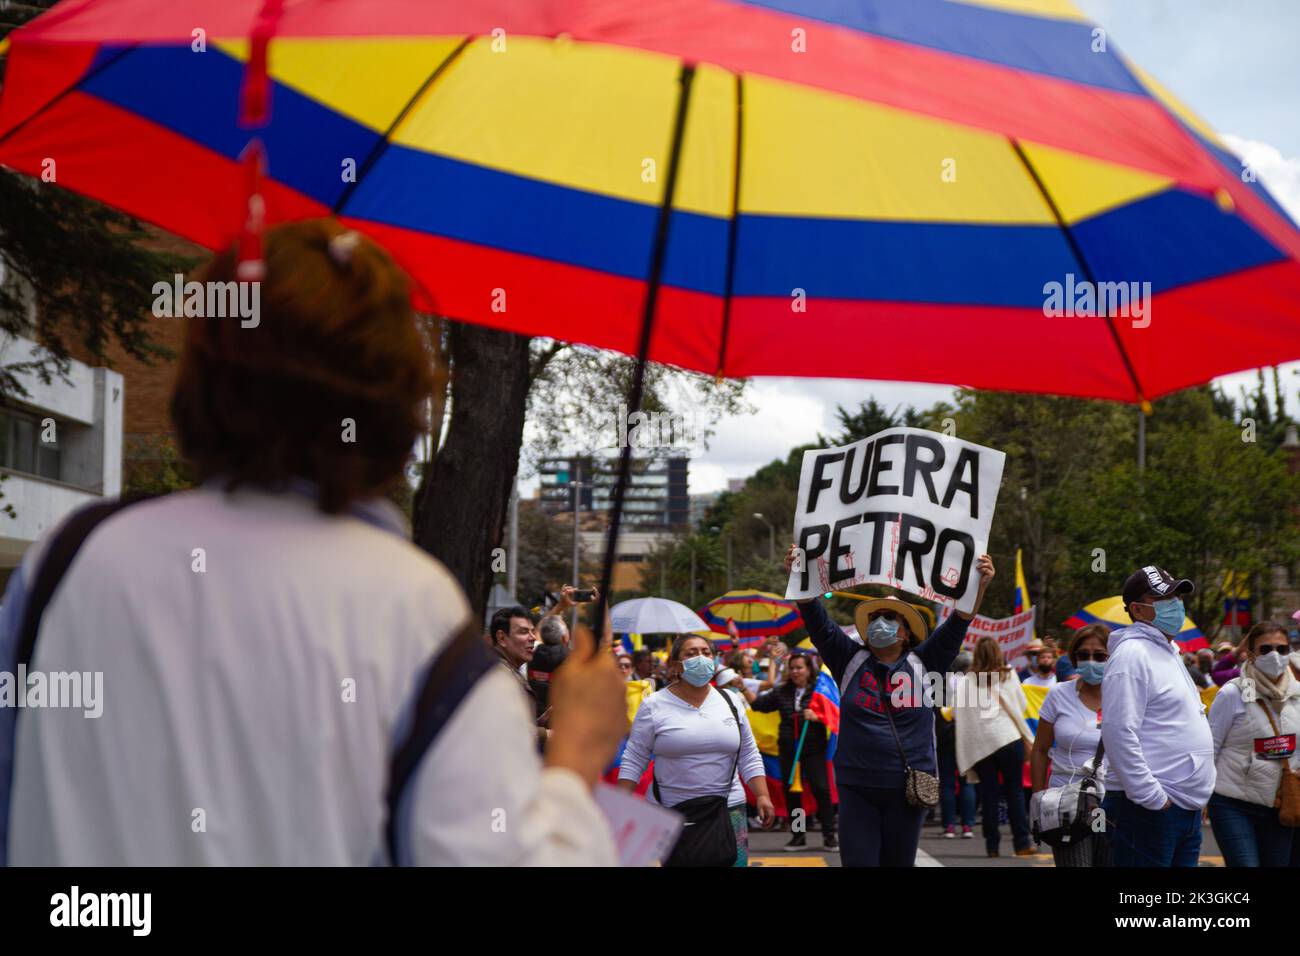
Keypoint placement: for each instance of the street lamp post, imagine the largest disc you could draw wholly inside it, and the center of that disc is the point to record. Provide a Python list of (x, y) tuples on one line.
[(771, 536), (577, 508), (692, 576), (727, 535)]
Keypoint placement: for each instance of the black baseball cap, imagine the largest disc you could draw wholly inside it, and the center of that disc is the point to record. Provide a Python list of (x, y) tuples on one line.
[(1154, 580)]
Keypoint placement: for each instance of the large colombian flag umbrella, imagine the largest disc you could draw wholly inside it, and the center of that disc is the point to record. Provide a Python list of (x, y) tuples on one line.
[(892, 189), (1110, 611)]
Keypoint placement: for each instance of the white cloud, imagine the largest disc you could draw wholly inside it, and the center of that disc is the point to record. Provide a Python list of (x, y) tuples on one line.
[(1279, 174), (790, 412)]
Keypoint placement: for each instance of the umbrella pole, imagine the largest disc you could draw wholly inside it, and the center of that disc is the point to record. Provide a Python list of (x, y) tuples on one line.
[(643, 349)]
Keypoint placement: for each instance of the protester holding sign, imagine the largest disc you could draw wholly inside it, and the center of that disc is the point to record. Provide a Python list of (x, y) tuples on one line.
[(1254, 721), (886, 723)]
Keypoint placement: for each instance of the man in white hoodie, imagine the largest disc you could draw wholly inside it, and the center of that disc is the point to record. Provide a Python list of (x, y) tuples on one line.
[(1157, 741)]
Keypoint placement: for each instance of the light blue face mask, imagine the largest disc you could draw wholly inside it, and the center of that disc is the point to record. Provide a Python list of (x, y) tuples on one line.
[(1170, 615), (698, 670), (882, 632), (1091, 671)]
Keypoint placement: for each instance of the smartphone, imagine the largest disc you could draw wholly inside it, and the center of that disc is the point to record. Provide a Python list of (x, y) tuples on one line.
[(584, 596)]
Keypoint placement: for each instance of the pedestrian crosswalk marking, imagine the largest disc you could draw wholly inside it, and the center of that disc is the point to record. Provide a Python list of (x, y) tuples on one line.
[(787, 861)]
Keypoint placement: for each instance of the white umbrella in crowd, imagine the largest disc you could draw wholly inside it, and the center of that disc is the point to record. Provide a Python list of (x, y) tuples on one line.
[(654, 615)]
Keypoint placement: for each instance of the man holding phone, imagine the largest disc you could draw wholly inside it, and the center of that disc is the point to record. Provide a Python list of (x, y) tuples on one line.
[(553, 649)]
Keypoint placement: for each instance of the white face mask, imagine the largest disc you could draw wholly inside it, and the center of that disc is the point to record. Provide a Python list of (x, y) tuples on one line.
[(1271, 665)]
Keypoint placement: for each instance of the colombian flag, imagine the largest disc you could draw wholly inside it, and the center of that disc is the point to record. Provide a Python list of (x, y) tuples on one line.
[(1020, 597)]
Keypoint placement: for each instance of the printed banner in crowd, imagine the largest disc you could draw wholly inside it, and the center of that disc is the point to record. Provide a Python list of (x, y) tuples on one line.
[(1013, 633), (905, 507)]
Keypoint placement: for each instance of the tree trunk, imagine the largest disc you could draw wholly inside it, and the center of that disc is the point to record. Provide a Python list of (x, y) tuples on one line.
[(460, 515)]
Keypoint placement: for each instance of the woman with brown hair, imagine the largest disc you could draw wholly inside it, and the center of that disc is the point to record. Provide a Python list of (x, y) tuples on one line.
[(991, 740), (1254, 721), (1069, 733), (269, 636), (698, 741)]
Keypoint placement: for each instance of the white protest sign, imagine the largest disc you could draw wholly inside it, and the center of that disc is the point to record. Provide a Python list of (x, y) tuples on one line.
[(644, 833), (905, 507), (1012, 633)]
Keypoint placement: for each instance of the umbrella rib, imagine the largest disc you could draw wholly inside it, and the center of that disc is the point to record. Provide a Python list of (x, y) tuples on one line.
[(1083, 264), (733, 227), (384, 142)]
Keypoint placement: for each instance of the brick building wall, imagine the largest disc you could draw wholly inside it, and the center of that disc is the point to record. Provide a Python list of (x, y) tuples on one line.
[(146, 417)]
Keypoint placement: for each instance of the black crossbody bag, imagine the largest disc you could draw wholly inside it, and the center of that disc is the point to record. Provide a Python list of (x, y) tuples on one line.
[(707, 836)]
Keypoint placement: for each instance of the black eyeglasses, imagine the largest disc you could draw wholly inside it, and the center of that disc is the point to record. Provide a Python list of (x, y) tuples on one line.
[(887, 615), (1098, 656), (1270, 648)]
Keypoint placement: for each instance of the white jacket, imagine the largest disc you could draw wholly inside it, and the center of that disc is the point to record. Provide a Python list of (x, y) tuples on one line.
[(1235, 725), (982, 731), (229, 735), (1158, 744)]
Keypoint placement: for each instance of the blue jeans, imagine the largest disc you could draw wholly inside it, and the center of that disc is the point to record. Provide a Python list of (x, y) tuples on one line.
[(1142, 837), (1009, 762), (950, 795), (1249, 834), (878, 827)]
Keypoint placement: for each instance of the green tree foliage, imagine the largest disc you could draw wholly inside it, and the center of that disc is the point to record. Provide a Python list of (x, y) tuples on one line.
[(545, 559), (577, 395), (1210, 500)]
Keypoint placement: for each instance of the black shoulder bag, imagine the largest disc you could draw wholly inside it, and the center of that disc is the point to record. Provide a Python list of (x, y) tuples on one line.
[(707, 837)]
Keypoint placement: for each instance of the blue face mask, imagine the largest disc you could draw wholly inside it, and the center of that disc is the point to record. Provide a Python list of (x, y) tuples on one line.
[(1091, 671), (698, 670), (882, 632), (1170, 615)]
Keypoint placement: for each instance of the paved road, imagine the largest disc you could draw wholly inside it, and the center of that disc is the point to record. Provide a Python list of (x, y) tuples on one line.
[(765, 849)]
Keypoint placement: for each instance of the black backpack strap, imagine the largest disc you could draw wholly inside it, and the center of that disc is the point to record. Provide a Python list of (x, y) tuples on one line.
[(58, 557), (452, 676)]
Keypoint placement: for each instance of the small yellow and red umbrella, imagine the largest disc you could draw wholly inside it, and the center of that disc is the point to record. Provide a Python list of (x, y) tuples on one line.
[(748, 616)]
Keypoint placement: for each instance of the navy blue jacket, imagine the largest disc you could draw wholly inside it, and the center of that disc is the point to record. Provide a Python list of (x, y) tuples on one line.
[(867, 755)]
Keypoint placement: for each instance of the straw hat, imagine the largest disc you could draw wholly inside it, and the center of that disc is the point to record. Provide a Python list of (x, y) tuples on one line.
[(915, 623)]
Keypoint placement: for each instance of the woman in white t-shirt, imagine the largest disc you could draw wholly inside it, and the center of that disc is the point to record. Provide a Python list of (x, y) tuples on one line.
[(699, 747), (1069, 731)]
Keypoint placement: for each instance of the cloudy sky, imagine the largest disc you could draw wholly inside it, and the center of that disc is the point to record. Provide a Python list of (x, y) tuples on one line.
[(1233, 63)]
